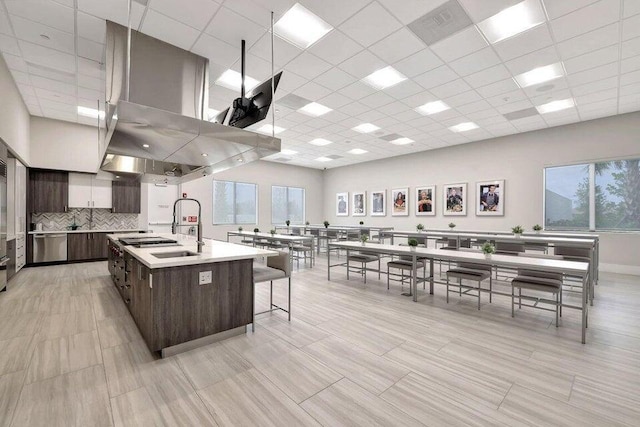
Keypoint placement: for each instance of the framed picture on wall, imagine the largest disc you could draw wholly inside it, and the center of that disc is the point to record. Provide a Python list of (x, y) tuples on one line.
[(399, 202), (378, 203), (425, 200), (454, 201), (359, 203), (490, 198), (342, 204)]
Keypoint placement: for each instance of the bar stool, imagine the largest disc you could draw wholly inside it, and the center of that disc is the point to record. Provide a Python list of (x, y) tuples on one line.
[(538, 281), (472, 272), (404, 264), (278, 267), (363, 258)]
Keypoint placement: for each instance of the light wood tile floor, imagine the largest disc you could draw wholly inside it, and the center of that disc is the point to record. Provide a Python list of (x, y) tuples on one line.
[(353, 354)]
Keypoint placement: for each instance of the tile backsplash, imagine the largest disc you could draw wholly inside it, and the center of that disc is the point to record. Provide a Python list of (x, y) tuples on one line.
[(103, 219)]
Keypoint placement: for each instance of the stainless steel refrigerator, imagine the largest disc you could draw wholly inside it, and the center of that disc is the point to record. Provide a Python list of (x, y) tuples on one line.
[(3, 217)]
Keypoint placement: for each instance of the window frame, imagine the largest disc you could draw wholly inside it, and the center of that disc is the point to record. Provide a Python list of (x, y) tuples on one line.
[(234, 206), (304, 203)]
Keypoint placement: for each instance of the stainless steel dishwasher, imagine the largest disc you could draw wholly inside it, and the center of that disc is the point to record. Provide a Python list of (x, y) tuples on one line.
[(49, 247)]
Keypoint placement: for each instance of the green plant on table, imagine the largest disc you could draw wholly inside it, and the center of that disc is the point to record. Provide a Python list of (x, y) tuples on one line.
[(419, 227), (272, 232), (517, 230), (288, 222), (256, 230), (240, 229), (487, 248), (537, 228), (307, 223), (326, 224), (361, 222), (412, 242), (364, 238), (452, 225)]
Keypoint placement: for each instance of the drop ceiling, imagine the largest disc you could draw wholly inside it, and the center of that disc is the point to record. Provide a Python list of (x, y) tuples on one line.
[(54, 49)]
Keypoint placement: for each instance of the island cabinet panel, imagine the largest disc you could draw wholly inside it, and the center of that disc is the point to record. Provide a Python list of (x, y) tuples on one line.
[(184, 310), (141, 295)]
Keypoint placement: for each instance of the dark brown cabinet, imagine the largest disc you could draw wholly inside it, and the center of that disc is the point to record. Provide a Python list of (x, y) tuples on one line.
[(126, 197), (48, 191), (85, 246), (11, 253)]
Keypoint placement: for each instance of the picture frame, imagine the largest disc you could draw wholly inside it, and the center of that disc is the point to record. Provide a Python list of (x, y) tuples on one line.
[(378, 203), (425, 200), (399, 202), (490, 198), (342, 204), (454, 199), (359, 203)]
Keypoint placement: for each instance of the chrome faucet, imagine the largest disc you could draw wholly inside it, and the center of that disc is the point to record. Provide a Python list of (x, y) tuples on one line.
[(175, 225)]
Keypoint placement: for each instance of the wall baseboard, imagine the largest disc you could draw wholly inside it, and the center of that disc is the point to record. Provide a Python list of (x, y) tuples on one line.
[(620, 269)]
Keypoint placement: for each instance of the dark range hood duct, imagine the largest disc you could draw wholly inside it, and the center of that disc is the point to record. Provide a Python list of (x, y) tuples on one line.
[(160, 131)]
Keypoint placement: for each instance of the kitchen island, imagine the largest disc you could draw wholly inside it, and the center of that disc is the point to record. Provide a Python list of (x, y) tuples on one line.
[(180, 299)]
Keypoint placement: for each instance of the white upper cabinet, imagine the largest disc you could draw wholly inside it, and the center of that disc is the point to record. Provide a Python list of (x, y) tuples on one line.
[(86, 191)]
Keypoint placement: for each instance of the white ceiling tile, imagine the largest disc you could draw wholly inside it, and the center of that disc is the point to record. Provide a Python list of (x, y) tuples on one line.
[(592, 59), (463, 98), (5, 25), (631, 27), (586, 19), (370, 24), (232, 28), (90, 68), (484, 114), (217, 51), (397, 46), (21, 77), (362, 64), (169, 30), (404, 89), (30, 31), (463, 43), (630, 64), (335, 47), (497, 88), (283, 51), (51, 113), (408, 11), (594, 74), (289, 82), (631, 48), (353, 108), (587, 42), (557, 8), (377, 99), (357, 90), (475, 62), (547, 89), (528, 62), (450, 89), (90, 50), (474, 107), (335, 79), (507, 98), (26, 90), (34, 109), (335, 100), (9, 44), (393, 108), (597, 106), (628, 78), (312, 91), (15, 62), (196, 13), (91, 28), (44, 12), (595, 86), (481, 10), (43, 56), (308, 65), (53, 85), (631, 7), (529, 41), (91, 94), (113, 10), (90, 82), (334, 11), (436, 77), (69, 108), (418, 63), (256, 67), (597, 96), (488, 76)]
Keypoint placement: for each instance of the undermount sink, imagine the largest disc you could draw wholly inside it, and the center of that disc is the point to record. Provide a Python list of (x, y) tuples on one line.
[(177, 254)]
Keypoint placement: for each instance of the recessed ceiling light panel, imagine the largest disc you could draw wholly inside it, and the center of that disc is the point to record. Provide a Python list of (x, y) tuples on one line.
[(301, 27), (320, 142), (357, 151), (384, 78), (288, 152), (90, 112), (512, 20), (553, 106), (366, 128), (233, 80), (213, 113), (323, 159), (540, 75), (267, 129), (432, 108), (314, 109), (402, 141), (463, 127)]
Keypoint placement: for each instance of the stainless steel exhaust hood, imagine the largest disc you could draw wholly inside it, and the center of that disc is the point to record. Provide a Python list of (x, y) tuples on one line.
[(157, 127)]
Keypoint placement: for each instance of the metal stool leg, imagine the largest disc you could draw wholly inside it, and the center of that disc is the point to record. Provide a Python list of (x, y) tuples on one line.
[(513, 313)]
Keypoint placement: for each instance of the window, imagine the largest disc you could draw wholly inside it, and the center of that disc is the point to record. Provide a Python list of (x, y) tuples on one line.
[(287, 203), (234, 202), (595, 196)]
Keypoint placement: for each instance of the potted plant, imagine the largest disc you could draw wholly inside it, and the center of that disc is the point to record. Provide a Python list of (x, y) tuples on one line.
[(361, 222), (307, 223), (364, 238), (326, 224), (537, 228), (419, 227), (517, 230), (288, 222), (452, 225), (272, 231), (239, 229), (256, 230), (413, 243), (488, 249)]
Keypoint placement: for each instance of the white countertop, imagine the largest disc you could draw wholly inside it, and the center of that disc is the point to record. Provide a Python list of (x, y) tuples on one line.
[(213, 251), (86, 231)]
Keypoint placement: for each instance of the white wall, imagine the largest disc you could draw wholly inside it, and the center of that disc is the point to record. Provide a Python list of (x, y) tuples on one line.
[(56, 144), (265, 174), (14, 116), (518, 159)]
